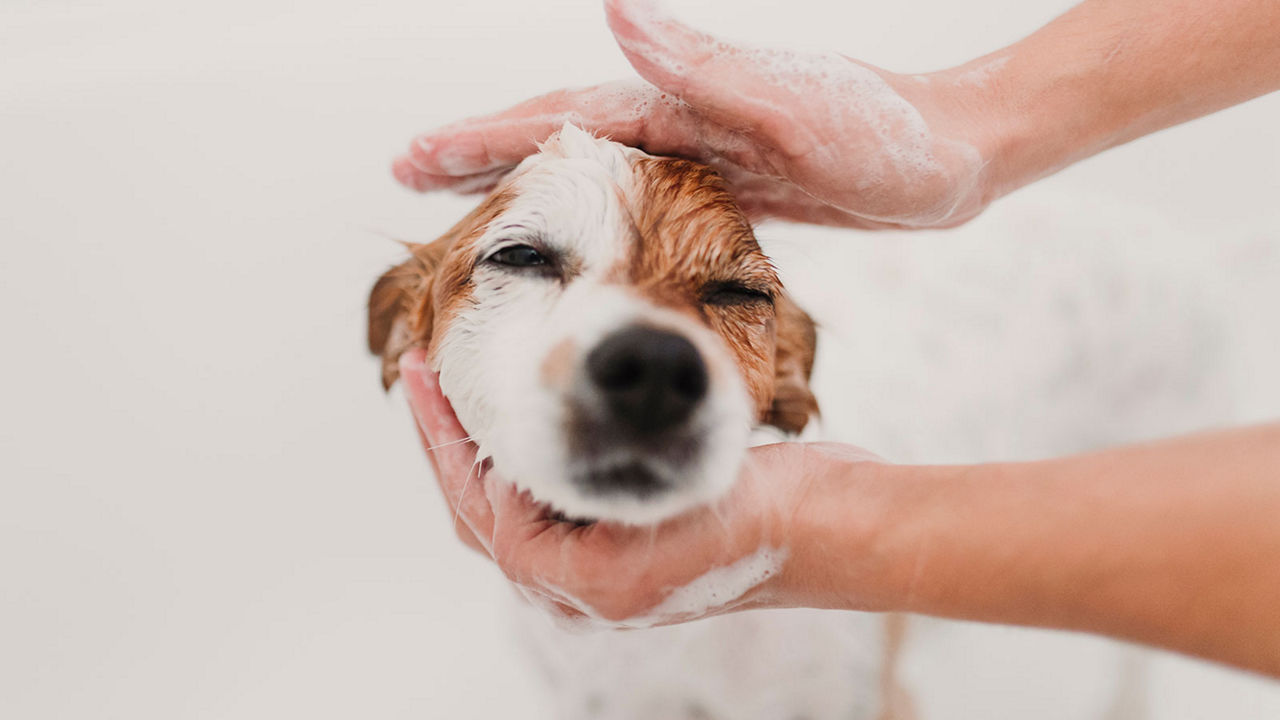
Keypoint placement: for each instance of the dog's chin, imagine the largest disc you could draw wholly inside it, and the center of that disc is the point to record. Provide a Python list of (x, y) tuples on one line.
[(626, 484), (635, 495), (628, 480), (632, 478)]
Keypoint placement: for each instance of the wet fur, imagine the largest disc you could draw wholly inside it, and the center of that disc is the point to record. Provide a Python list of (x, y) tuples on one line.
[(679, 199)]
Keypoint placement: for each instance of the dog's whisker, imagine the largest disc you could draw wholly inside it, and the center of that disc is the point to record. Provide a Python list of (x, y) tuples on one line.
[(459, 441), (457, 510)]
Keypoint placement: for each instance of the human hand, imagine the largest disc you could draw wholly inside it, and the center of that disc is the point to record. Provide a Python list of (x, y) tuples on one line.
[(817, 138), (764, 545)]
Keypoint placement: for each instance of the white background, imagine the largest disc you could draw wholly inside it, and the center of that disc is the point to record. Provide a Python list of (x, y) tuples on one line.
[(208, 509)]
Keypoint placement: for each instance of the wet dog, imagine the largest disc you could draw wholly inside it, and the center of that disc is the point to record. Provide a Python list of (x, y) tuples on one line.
[(606, 328), (609, 333)]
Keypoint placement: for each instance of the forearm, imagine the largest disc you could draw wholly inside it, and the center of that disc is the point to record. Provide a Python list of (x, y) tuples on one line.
[(1110, 71), (1175, 544)]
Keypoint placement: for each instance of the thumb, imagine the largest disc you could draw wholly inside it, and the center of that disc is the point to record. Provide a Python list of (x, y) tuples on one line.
[(720, 79)]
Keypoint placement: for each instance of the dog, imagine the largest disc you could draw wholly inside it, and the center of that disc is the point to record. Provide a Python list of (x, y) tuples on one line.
[(607, 329), (609, 332)]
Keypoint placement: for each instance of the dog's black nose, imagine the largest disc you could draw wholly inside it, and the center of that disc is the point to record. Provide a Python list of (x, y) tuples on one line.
[(651, 379)]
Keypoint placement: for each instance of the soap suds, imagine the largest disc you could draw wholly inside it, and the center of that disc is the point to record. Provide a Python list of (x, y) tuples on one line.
[(454, 161), (850, 89), (981, 74), (715, 590), (839, 99)]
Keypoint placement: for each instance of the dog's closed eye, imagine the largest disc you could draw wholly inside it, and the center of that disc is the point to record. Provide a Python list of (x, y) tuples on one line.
[(734, 293), (519, 256), (524, 259)]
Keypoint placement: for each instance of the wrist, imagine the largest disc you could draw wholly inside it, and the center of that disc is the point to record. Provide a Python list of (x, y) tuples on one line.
[(858, 531), (930, 540), (1106, 73), (1027, 120)]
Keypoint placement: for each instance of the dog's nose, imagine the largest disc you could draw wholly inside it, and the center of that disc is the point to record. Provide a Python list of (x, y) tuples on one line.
[(651, 379)]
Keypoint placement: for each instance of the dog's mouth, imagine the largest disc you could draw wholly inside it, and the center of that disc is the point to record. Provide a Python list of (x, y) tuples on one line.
[(611, 460), (631, 479)]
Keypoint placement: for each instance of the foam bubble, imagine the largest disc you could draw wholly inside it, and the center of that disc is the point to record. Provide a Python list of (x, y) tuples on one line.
[(717, 589), (836, 100), (980, 75)]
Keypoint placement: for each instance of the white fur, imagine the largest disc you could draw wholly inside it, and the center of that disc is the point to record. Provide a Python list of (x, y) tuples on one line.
[(491, 357), (770, 665)]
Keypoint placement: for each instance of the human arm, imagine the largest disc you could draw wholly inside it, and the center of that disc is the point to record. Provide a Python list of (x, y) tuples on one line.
[(827, 139), (1110, 71), (1174, 544)]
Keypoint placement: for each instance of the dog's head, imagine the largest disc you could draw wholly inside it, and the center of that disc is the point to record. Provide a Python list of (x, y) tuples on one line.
[(606, 328)]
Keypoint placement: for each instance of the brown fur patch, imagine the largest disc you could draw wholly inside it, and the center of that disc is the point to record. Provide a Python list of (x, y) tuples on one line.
[(797, 338), (411, 303), (691, 234)]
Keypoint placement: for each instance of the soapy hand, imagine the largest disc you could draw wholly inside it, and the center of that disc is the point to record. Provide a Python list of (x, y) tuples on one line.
[(750, 550), (816, 138)]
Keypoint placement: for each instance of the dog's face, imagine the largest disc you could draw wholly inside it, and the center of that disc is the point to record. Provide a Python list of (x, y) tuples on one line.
[(606, 328)]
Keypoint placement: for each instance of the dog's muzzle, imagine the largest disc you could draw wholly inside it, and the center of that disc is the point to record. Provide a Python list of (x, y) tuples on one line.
[(648, 384), (651, 379)]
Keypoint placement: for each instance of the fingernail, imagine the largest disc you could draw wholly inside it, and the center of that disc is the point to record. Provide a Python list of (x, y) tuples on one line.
[(406, 173), (434, 159)]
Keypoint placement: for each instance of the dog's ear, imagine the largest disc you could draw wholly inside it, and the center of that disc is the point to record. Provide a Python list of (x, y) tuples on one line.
[(400, 315), (401, 312), (797, 337)]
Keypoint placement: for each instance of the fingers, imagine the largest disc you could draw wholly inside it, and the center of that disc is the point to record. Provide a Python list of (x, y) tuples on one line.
[(566, 616), (463, 530), (458, 470), (763, 197), (663, 50), (449, 449), (805, 209), (411, 177), (724, 81), (470, 156), (686, 65)]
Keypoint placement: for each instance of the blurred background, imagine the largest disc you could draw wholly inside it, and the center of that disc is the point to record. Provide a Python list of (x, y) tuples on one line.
[(209, 509)]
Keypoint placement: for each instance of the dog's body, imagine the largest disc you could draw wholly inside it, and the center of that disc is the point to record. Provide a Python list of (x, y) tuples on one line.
[(761, 665), (525, 308)]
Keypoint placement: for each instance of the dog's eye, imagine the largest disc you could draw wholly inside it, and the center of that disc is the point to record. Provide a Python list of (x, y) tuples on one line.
[(729, 293), (519, 256)]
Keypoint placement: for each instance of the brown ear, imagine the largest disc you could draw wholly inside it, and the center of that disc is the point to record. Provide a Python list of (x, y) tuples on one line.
[(400, 314), (797, 337)]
